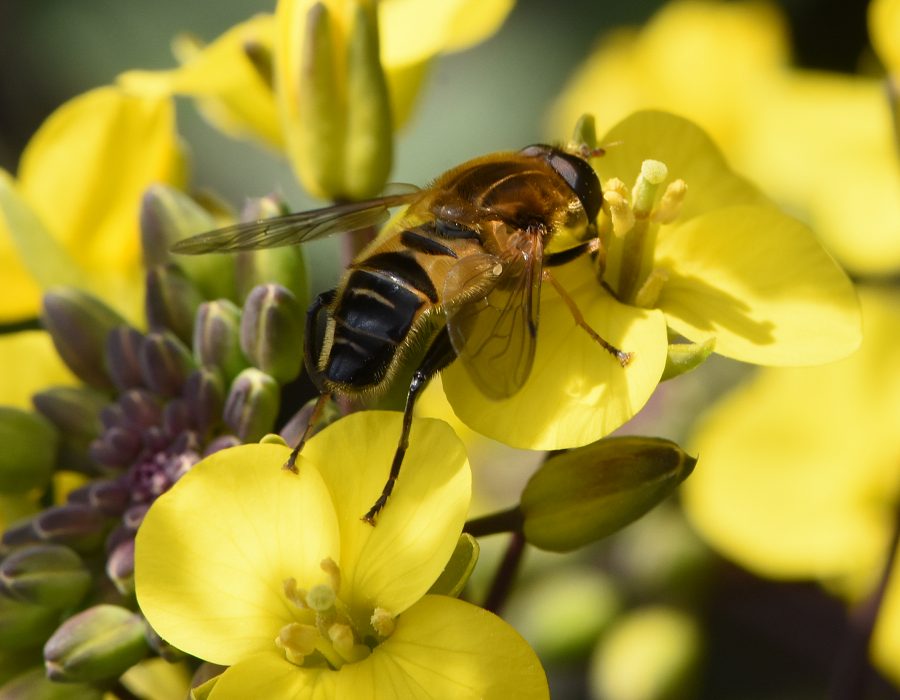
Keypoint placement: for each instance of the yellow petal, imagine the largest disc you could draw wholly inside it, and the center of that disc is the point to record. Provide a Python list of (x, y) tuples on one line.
[(884, 29), (413, 31), (86, 168), (708, 61), (31, 364), (886, 638), (797, 469), (231, 92), (446, 648), (269, 675), (577, 392), (760, 284), (394, 563), (213, 552)]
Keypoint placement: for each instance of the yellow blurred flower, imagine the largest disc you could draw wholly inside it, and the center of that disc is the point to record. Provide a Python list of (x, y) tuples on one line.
[(821, 144), (884, 30), (71, 217), (699, 251), (327, 82), (801, 471), (324, 604)]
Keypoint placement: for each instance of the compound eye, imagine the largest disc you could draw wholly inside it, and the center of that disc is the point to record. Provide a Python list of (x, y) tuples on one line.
[(580, 176)]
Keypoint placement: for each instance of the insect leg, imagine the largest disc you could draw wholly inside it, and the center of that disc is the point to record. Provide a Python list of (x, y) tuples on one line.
[(311, 345), (623, 357), (440, 353)]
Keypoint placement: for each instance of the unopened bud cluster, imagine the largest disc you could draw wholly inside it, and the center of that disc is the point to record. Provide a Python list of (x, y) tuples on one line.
[(206, 374)]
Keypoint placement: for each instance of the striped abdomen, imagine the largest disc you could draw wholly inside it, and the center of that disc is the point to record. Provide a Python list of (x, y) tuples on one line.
[(383, 296)]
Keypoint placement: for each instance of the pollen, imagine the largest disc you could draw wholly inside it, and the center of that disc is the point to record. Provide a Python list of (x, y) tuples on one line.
[(383, 622)]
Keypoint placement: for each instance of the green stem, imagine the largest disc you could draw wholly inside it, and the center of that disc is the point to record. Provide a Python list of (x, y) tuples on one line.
[(503, 521), (506, 574)]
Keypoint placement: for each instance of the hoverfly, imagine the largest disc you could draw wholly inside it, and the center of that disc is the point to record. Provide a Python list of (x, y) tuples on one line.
[(467, 257)]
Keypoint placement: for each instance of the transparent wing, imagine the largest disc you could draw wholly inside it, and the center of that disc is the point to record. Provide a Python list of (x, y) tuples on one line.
[(493, 317), (297, 228)]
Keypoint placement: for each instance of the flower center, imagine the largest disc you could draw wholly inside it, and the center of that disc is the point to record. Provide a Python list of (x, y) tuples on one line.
[(628, 227), (325, 634)]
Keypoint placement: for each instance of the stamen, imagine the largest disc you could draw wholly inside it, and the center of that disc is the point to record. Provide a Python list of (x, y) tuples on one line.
[(670, 204), (297, 641), (342, 638), (334, 573), (296, 595), (620, 213), (383, 622)]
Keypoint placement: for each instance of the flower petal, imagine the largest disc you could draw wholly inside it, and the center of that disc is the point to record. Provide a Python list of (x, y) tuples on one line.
[(687, 151), (231, 92), (577, 392), (884, 28), (213, 552), (798, 474), (760, 283), (269, 675), (86, 168), (32, 364), (446, 648), (394, 563)]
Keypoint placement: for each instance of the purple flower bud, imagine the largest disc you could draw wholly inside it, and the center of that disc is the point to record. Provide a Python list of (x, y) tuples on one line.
[(120, 567), (217, 337), (165, 362), (205, 396), (272, 331), (109, 497), (75, 525), (171, 301)]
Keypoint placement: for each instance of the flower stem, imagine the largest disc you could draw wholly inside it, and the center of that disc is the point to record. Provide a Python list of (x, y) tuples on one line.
[(849, 678), (506, 573), (502, 521)]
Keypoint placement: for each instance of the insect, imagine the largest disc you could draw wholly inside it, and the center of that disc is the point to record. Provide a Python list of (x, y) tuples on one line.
[(460, 270)]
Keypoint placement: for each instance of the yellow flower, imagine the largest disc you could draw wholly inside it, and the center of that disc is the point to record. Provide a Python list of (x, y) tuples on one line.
[(717, 262), (274, 574), (884, 29), (71, 217), (801, 471), (327, 82), (820, 143)]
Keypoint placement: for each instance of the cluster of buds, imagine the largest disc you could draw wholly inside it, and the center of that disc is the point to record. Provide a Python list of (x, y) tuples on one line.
[(208, 373)]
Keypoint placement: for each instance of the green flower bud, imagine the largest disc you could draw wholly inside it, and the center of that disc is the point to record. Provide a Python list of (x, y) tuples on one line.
[(458, 569), (171, 301), (252, 405), (25, 625), (75, 411), (683, 357), (272, 332), (120, 567), (46, 574), (98, 644), (78, 323), (335, 101), (165, 362), (586, 494), (29, 442), (167, 216), (663, 643), (34, 685), (285, 265), (217, 330)]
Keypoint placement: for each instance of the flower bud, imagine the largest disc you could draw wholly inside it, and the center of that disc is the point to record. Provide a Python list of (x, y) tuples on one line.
[(25, 625), (217, 329), (171, 301), (588, 493), (272, 332), (75, 411), (78, 323), (123, 346), (28, 453), (169, 215), (205, 397), (110, 497), (334, 98), (75, 525), (165, 362), (252, 405), (98, 644), (120, 567), (285, 265), (458, 569), (46, 574)]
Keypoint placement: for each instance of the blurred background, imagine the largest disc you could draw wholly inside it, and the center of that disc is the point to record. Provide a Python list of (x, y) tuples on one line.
[(653, 600)]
